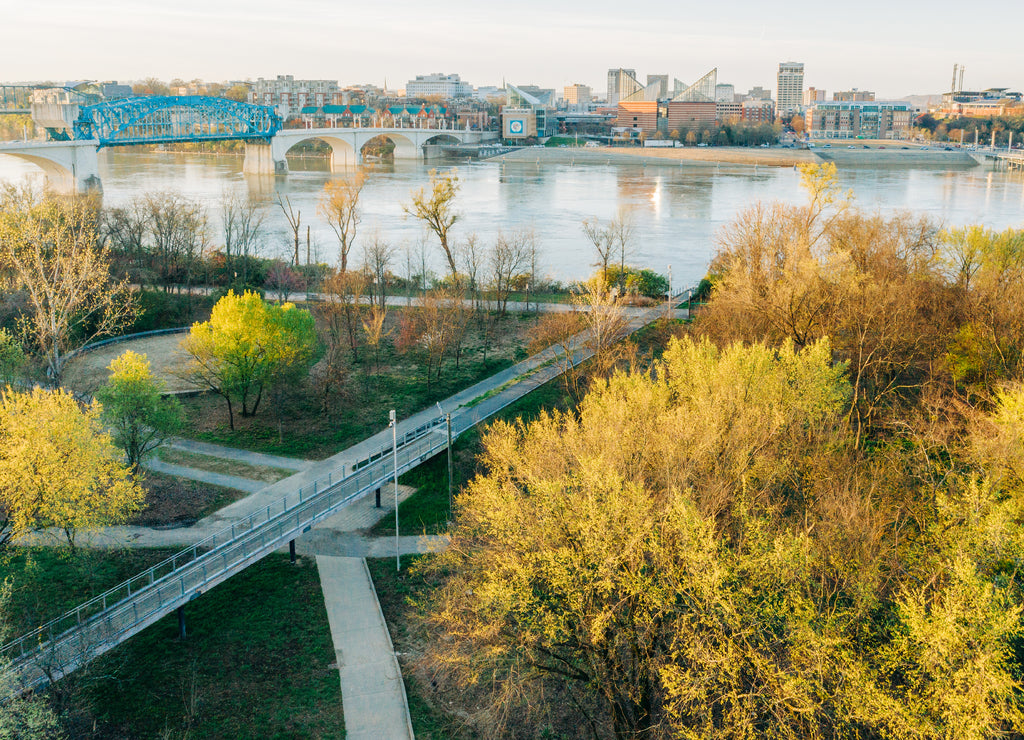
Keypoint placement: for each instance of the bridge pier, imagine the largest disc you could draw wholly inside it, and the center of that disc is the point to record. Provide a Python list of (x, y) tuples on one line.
[(264, 159)]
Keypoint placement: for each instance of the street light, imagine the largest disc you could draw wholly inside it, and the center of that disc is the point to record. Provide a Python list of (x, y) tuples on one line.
[(448, 420), (394, 450)]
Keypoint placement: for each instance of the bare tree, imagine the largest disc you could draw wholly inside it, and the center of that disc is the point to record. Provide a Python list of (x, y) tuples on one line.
[(50, 248), (124, 230), (409, 259), (339, 204), (179, 232), (603, 239), (242, 219), (472, 255), (621, 229), (437, 210), (377, 256), (294, 219), (343, 306), (508, 258)]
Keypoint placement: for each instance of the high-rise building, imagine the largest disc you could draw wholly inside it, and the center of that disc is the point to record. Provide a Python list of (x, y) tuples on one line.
[(813, 95), (448, 87), (725, 93), (577, 95), (621, 82), (790, 97)]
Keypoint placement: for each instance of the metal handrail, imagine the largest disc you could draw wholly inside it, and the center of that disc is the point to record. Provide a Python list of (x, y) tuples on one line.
[(230, 550), (218, 539)]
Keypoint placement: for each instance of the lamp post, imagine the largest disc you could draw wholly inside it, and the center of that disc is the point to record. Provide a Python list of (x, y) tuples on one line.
[(448, 421), (668, 297), (394, 451)]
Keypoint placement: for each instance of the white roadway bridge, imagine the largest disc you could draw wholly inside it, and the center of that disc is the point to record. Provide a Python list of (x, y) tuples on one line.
[(73, 165)]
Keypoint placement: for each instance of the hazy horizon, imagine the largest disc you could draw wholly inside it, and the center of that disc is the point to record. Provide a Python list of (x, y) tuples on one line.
[(892, 50)]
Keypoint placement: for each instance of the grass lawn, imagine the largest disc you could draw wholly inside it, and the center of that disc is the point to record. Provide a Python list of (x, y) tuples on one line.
[(48, 581), (221, 465), (365, 395), (257, 662), (178, 502)]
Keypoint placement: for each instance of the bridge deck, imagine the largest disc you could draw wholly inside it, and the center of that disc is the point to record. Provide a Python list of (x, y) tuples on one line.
[(72, 640)]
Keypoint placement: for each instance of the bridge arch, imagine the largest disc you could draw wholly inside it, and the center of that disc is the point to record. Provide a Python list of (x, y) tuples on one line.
[(343, 153), (67, 166), (56, 174), (405, 147), (442, 138)]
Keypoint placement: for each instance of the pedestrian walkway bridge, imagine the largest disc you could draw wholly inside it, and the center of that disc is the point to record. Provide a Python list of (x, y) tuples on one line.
[(60, 646), (73, 639)]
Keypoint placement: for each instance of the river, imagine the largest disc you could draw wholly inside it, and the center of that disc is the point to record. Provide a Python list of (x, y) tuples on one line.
[(677, 211)]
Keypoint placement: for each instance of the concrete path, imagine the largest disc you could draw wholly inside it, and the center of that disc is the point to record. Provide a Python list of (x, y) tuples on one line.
[(232, 453), (372, 691), (204, 476)]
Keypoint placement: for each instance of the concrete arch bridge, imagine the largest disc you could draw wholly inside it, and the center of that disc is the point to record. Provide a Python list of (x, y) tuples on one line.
[(347, 145), (78, 132)]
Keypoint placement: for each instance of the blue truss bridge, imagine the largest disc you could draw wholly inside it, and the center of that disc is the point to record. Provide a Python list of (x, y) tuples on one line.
[(160, 119), (79, 127)]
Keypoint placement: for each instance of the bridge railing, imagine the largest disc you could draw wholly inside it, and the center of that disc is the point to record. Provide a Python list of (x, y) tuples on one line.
[(76, 637), (178, 576)]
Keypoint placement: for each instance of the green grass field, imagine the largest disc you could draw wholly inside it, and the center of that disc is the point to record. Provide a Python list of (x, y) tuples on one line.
[(257, 662)]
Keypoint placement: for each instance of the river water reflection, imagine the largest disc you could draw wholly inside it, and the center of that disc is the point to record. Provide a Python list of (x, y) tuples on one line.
[(678, 210)]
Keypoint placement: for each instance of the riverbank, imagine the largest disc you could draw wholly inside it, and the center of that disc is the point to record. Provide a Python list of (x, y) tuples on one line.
[(704, 157)]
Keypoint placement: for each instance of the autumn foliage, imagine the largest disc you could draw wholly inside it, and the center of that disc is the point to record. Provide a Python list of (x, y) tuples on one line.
[(58, 468)]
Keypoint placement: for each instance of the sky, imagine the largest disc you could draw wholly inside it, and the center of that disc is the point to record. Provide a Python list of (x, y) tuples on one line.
[(891, 48)]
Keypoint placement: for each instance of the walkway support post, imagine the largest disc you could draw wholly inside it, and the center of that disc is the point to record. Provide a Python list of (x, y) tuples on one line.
[(291, 551), (181, 622)]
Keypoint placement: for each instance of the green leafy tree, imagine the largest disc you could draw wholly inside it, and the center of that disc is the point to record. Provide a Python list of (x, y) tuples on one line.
[(133, 407), (12, 359), (248, 344)]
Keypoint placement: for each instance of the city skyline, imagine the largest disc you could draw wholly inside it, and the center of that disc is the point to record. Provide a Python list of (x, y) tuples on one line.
[(895, 51)]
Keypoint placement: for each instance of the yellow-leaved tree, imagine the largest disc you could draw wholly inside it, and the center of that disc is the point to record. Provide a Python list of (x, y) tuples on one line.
[(133, 407), (703, 551), (50, 249), (247, 346), (436, 209), (58, 467)]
